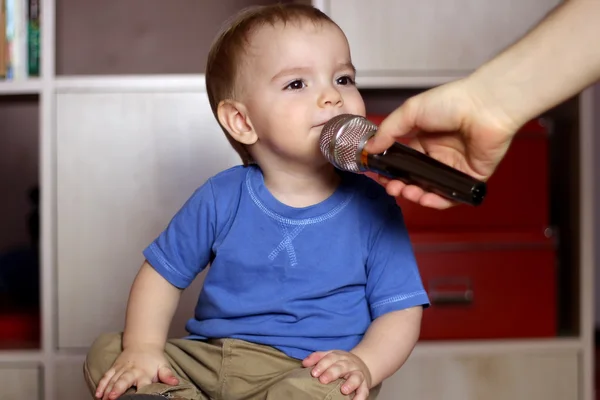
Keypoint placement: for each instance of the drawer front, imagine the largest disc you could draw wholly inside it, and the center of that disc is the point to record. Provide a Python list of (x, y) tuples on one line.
[(69, 380), (19, 382), (500, 375), (518, 191), (19, 330), (488, 290)]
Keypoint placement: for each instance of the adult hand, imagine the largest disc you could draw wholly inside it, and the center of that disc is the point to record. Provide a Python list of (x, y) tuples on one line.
[(453, 124)]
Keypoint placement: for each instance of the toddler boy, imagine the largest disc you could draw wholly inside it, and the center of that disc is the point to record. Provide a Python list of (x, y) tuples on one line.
[(313, 291)]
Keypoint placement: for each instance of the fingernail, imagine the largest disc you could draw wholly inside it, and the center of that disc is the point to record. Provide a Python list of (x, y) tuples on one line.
[(315, 372)]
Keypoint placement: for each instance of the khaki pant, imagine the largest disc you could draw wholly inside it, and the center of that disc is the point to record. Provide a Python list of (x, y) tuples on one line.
[(223, 369)]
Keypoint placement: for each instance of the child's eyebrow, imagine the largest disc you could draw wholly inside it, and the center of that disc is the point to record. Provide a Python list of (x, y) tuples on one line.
[(305, 70), (291, 71), (348, 65)]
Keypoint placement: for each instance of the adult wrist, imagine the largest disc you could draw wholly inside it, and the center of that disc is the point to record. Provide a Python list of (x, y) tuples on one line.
[(499, 99)]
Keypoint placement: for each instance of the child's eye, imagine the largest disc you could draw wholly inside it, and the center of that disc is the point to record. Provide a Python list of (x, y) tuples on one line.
[(295, 85), (345, 80)]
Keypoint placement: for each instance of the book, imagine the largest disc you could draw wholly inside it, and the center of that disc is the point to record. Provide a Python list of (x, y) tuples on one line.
[(3, 47), (33, 37)]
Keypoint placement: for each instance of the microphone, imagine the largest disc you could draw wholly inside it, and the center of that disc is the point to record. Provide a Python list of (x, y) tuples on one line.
[(342, 143)]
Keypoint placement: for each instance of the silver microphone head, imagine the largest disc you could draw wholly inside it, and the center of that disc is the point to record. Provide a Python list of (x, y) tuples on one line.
[(343, 138)]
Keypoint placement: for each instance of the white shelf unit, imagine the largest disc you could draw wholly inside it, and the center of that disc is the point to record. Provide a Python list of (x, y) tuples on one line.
[(55, 373), (29, 86)]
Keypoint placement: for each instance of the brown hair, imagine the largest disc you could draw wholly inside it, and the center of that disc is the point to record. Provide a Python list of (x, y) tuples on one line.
[(225, 55)]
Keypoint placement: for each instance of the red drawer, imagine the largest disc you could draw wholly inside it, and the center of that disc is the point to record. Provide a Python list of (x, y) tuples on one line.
[(19, 330), (517, 196), (496, 285)]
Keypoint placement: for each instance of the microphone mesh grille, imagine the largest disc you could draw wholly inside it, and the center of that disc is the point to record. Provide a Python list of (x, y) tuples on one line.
[(342, 139)]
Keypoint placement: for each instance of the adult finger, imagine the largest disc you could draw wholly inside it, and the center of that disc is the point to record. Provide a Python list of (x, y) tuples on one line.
[(426, 199), (432, 200), (398, 123)]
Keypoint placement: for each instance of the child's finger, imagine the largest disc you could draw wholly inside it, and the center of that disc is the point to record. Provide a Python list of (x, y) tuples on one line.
[(352, 383), (111, 383), (314, 358), (125, 381), (362, 392), (143, 381), (324, 364), (104, 382), (338, 370), (165, 375)]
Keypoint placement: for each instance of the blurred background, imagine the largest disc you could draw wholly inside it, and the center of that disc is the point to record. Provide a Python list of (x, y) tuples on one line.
[(105, 130)]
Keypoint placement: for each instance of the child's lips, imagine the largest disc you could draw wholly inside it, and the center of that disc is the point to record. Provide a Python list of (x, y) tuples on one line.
[(321, 124), (319, 127)]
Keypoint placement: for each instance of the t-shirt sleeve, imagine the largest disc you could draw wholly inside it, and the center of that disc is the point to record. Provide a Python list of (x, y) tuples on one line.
[(184, 248), (393, 282)]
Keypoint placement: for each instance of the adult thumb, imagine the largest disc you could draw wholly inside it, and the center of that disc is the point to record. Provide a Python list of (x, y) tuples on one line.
[(165, 375), (399, 123)]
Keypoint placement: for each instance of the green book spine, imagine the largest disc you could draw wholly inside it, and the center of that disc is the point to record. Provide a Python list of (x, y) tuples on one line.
[(33, 37)]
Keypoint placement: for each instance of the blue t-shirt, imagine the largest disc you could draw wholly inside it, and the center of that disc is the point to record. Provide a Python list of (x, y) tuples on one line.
[(298, 279)]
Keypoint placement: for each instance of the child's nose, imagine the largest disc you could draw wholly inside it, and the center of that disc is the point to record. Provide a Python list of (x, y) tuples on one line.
[(330, 97)]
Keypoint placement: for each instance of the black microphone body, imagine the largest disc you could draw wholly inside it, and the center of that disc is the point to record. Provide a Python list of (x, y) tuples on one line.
[(415, 168), (342, 142)]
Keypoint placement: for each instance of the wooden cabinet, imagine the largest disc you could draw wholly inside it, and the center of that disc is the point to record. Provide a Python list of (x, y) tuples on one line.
[(69, 380), (528, 375), (391, 38), (469, 256), (481, 283), (432, 373), (19, 382), (126, 162), (120, 154)]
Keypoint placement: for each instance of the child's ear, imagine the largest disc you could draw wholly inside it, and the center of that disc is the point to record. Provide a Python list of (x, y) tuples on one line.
[(232, 115)]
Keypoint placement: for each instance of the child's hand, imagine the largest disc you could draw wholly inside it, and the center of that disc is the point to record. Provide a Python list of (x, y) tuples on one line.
[(331, 365), (139, 366)]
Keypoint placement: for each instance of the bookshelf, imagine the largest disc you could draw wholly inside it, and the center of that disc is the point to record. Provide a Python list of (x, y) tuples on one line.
[(141, 84), (29, 86)]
